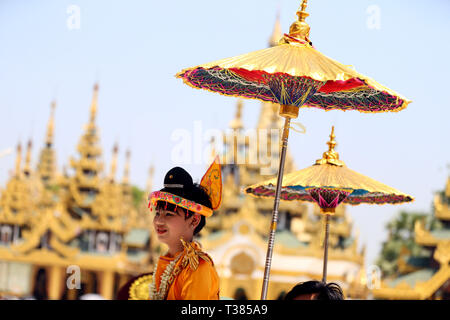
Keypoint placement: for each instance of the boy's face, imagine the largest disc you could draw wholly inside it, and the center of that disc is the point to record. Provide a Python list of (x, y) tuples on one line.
[(171, 226)]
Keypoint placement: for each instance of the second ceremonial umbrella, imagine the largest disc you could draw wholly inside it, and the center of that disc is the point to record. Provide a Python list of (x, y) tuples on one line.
[(328, 183), (292, 74)]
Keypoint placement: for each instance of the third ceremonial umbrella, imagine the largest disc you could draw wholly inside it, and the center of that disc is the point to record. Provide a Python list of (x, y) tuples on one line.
[(328, 183), (293, 74)]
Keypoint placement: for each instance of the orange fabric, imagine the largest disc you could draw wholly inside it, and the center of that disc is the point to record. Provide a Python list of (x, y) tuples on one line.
[(201, 284)]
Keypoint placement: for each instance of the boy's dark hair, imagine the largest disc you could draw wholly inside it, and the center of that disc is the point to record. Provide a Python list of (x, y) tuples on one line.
[(179, 182), (330, 291), (200, 196)]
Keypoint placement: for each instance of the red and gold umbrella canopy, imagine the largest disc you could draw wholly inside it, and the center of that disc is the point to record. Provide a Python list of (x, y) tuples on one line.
[(294, 73), (329, 182)]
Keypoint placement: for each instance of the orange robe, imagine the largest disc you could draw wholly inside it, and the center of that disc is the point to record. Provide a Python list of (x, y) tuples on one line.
[(199, 284)]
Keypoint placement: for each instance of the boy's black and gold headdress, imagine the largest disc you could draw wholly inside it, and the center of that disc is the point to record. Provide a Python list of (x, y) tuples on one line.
[(179, 189)]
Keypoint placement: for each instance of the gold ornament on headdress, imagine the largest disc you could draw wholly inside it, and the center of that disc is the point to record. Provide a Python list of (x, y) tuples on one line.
[(212, 182)]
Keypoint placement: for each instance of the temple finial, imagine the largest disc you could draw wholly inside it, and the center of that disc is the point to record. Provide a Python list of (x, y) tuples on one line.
[(94, 104), (331, 156), (236, 123), (18, 159), (126, 173), (51, 125), (27, 167), (114, 162)]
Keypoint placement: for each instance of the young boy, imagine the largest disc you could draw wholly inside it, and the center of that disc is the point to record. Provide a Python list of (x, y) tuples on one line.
[(184, 272)]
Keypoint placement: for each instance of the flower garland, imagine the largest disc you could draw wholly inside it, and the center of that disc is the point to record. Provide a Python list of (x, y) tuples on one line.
[(164, 284)]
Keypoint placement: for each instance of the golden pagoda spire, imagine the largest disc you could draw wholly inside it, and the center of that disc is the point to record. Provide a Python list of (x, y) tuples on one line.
[(126, 173), (18, 160), (277, 34), (331, 156), (112, 173), (236, 123), (51, 125), (85, 184), (46, 166), (27, 167), (94, 104), (149, 184)]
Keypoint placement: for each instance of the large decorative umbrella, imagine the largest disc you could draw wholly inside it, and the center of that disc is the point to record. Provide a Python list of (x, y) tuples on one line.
[(328, 183), (292, 74)]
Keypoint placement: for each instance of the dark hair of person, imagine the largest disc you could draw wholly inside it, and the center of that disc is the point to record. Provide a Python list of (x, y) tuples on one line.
[(197, 194), (329, 291)]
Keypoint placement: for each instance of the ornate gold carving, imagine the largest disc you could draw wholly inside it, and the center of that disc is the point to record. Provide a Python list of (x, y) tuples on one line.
[(140, 288)]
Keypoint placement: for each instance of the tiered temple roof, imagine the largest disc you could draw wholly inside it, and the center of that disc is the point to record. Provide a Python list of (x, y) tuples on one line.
[(49, 221), (425, 276)]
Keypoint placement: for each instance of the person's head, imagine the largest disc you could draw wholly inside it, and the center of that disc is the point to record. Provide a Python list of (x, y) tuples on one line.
[(315, 290), (172, 222)]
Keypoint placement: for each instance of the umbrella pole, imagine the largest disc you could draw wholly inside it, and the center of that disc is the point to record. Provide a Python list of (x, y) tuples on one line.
[(325, 253), (287, 112)]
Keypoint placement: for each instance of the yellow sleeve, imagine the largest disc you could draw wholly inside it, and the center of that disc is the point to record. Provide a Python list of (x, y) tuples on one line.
[(201, 284)]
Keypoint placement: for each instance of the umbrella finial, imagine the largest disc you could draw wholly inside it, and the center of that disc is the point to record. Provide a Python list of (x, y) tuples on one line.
[(300, 29), (331, 156)]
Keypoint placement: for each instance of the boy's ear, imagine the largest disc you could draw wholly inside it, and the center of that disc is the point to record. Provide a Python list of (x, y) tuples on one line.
[(195, 220)]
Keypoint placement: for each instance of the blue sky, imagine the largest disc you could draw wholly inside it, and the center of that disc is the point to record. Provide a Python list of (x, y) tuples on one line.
[(134, 48)]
